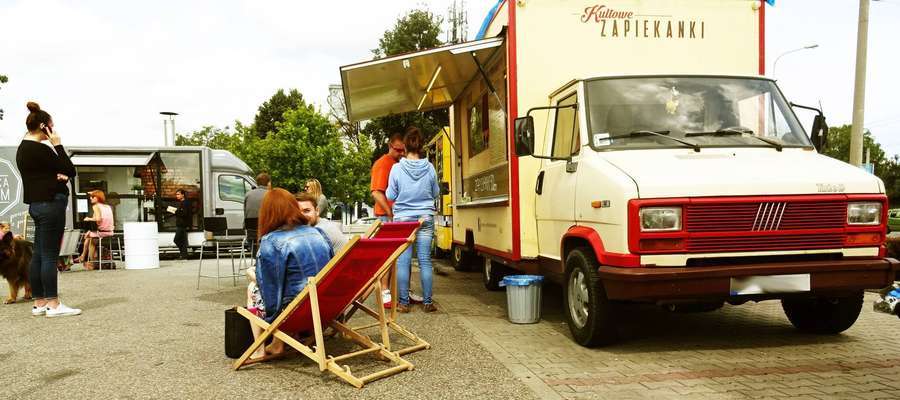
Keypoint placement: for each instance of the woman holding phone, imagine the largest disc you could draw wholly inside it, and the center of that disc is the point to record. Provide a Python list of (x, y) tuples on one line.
[(45, 173)]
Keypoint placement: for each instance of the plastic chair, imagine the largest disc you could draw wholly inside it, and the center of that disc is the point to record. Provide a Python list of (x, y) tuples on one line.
[(224, 244)]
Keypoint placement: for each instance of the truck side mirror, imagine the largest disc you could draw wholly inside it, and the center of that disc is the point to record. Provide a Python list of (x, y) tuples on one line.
[(524, 136), (220, 211), (819, 134)]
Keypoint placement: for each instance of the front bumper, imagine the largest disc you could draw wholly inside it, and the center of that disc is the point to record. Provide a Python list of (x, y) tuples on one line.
[(672, 283)]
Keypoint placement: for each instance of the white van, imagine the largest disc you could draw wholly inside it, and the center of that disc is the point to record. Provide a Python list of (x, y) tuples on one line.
[(634, 151)]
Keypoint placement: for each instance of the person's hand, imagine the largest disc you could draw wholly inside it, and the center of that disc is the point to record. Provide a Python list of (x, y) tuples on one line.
[(62, 178), (54, 138), (390, 216)]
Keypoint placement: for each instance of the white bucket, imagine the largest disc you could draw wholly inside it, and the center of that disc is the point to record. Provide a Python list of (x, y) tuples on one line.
[(141, 245)]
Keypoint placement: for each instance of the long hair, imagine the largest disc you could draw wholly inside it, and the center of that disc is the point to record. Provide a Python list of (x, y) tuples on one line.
[(314, 187), (278, 209)]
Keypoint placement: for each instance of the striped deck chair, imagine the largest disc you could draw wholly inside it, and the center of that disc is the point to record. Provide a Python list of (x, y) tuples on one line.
[(357, 267)]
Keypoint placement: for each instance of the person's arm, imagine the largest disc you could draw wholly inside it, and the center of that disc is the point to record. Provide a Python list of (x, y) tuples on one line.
[(270, 277), (96, 214), (63, 163), (382, 201), (393, 189), (435, 187)]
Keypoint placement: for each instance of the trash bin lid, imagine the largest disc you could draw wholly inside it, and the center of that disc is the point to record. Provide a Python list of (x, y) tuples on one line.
[(521, 280)]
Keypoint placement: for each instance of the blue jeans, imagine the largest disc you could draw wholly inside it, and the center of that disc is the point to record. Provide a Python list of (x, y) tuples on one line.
[(49, 221), (423, 252)]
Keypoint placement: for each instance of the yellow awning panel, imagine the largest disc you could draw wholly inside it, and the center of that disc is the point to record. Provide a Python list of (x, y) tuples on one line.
[(418, 81)]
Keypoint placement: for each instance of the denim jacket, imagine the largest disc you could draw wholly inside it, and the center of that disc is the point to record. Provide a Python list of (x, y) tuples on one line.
[(287, 258)]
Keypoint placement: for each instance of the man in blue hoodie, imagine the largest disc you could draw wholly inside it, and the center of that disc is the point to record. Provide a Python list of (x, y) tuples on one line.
[(412, 185)]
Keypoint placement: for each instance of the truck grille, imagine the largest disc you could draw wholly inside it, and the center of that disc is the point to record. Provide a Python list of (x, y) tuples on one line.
[(765, 226)]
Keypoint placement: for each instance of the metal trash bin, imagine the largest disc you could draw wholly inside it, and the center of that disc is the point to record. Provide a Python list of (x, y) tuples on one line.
[(523, 298)]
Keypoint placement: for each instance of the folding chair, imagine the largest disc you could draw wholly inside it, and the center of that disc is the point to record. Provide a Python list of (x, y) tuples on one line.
[(251, 229), (356, 268)]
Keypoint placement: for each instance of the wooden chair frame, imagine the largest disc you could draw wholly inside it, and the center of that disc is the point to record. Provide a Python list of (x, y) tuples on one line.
[(317, 351)]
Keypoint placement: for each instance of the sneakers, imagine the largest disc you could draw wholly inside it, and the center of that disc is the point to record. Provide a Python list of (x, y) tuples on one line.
[(386, 298), (414, 298), (61, 311), (38, 311)]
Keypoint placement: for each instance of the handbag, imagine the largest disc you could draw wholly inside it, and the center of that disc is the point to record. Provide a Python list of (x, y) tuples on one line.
[(238, 336)]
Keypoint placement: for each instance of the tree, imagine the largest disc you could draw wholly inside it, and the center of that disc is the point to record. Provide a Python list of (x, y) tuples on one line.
[(888, 169), (3, 79), (414, 31), (272, 111)]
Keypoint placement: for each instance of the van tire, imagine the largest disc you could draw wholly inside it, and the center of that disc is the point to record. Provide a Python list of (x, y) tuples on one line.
[(492, 273), (462, 259), (824, 315), (591, 320)]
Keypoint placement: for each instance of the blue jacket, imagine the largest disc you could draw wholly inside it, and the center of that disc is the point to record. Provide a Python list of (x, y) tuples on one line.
[(412, 185), (287, 258)]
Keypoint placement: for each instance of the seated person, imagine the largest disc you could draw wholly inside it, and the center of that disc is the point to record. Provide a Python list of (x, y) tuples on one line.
[(103, 216), (309, 207), (290, 252), (5, 228)]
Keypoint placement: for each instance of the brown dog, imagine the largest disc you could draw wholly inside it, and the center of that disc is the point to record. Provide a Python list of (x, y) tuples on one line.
[(15, 258)]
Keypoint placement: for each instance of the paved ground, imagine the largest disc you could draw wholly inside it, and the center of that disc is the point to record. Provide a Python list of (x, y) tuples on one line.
[(152, 334), (748, 351)]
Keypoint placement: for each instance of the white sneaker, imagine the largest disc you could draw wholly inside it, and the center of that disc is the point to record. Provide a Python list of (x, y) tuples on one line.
[(38, 311), (386, 296), (62, 311), (414, 298)]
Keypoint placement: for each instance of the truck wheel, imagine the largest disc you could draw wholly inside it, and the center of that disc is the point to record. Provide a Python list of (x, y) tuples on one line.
[(589, 314), (492, 273), (824, 315), (461, 258)]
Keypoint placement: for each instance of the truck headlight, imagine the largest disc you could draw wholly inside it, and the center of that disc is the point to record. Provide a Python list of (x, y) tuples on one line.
[(863, 213), (660, 219)]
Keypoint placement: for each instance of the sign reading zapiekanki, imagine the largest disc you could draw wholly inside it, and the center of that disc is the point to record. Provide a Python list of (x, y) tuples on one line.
[(622, 23)]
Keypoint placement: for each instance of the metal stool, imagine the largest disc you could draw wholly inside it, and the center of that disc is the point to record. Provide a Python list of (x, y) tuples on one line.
[(224, 244)]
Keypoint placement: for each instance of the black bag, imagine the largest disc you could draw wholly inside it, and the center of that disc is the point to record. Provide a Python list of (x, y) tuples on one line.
[(238, 336)]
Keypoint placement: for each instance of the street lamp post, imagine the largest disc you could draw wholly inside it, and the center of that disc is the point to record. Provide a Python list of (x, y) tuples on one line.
[(171, 119), (775, 64)]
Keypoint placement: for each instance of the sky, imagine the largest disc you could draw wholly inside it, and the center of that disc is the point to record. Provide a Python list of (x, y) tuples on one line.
[(105, 69)]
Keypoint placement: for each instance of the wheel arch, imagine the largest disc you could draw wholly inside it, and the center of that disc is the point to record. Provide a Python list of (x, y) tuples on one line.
[(579, 235)]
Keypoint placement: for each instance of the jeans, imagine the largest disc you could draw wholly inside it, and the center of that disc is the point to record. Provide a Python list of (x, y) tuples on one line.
[(424, 237), (181, 240), (49, 221)]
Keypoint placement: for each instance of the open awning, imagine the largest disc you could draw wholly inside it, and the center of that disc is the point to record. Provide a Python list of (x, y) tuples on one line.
[(109, 160), (420, 81)]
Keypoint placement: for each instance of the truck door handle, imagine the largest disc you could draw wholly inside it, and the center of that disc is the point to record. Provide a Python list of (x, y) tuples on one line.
[(539, 185)]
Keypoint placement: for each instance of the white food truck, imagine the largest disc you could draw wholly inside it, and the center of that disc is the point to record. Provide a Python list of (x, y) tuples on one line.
[(140, 184), (634, 151)]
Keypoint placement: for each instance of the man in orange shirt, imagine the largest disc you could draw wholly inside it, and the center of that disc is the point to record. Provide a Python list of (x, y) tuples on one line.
[(380, 172)]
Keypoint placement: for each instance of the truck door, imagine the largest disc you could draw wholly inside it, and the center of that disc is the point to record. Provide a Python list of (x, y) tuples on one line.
[(555, 186), (230, 193)]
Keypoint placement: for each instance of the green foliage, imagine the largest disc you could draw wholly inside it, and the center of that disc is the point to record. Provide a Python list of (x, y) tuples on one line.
[(272, 111), (304, 145), (417, 30), (414, 31), (888, 169)]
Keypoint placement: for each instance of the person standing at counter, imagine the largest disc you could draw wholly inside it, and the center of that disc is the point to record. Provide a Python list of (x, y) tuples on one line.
[(45, 173), (182, 222)]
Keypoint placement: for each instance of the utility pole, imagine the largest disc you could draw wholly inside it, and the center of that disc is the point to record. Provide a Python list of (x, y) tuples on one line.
[(859, 90)]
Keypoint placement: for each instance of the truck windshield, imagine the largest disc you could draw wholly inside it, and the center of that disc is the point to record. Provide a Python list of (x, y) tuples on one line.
[(706, 111)]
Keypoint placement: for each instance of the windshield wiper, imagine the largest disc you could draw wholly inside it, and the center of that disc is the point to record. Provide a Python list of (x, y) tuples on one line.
[(740, 132), (662, 134)]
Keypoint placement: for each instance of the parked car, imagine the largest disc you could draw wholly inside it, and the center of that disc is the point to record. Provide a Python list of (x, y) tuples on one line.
[(359, 226), (893, 220)]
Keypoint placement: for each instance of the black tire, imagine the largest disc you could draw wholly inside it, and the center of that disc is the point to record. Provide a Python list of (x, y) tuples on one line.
[(824, 315), (461, 259), (492, 273), (591, 320)]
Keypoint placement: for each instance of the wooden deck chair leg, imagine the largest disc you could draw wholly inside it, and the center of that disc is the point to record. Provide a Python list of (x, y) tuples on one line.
[(420, 344), (385, 335), (317, 323), (260, 340)]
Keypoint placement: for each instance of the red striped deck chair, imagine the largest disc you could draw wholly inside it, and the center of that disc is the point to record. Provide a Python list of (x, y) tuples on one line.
[(356, 268)]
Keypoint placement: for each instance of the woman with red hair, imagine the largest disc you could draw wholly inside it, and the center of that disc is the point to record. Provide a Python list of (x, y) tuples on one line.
[(290, 252), (103, 216)]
